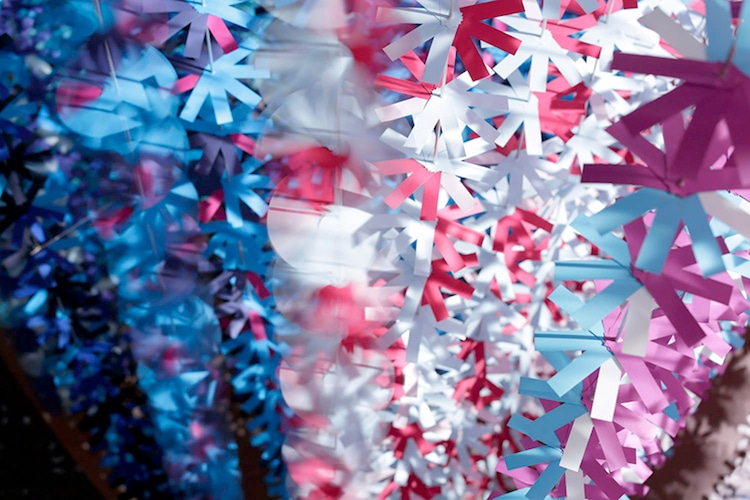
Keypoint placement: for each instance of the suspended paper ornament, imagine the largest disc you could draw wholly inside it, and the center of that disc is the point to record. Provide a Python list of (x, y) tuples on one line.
[(118, 108), (701, 155), (451, 24), (445, 282), (448, 109), (202, 20), (219, 78)]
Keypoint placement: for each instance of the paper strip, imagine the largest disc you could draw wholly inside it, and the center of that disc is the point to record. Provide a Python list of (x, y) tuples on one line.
[(607, 391), (637, 321), (671, 31), (575, 447), (574, 484)]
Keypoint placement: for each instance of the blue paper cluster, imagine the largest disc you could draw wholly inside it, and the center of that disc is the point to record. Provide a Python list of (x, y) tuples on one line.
[(139, 308)]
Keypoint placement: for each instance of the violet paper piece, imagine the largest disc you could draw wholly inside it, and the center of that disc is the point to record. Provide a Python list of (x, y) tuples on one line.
[(704, 155), (615, 452), (660, 363), (219, 153)]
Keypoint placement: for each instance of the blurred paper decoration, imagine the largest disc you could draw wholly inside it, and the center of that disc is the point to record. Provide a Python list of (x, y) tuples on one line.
[(118, 107), (218, 171), (175, 335), (317, 94), (70, 319), (553, 9), (19, 180), (55, 282), (311, 15)]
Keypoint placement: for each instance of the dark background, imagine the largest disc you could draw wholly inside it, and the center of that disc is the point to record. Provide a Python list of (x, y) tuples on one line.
[(33, 464)]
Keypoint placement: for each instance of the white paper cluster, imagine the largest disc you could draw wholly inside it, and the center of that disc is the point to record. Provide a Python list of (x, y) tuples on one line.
[(482, 143)]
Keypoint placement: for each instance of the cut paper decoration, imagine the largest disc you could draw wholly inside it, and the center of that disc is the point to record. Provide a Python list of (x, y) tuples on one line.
[(540, 47), (120, 109), (440, 113), (219, 78), (449, 24), (671, 214), (202, 21), (703, 154)]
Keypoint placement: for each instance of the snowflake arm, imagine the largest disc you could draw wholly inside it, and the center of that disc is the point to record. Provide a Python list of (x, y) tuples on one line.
[(451, 24), (215, 82)]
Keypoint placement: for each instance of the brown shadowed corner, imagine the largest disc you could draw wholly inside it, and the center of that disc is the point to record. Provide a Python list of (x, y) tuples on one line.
[(705, 449)]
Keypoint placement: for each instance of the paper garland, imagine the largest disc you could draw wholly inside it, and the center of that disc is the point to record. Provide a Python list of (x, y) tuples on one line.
[(419, 207)]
